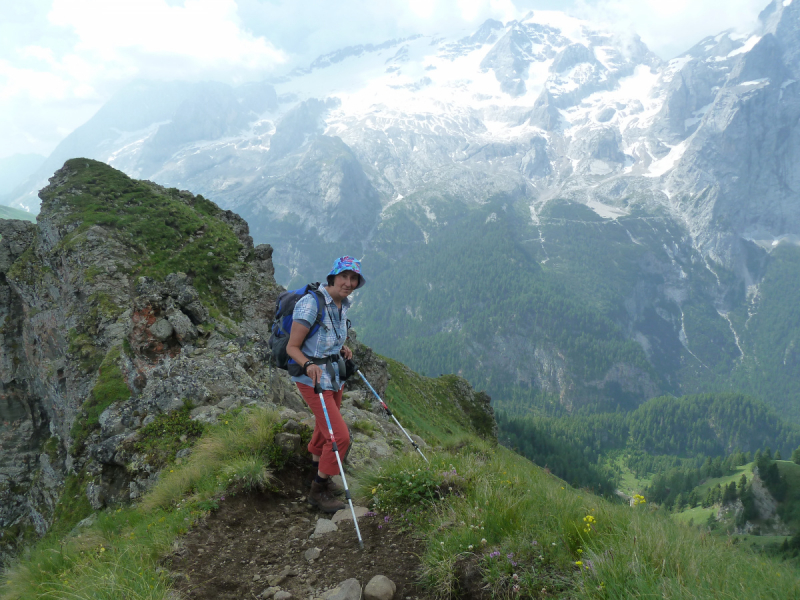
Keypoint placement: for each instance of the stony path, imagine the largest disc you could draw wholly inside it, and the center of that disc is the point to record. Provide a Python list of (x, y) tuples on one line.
[(263, 545)]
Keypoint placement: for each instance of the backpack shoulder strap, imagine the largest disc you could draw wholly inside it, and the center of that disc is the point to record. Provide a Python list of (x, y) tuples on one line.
[(313, 288)]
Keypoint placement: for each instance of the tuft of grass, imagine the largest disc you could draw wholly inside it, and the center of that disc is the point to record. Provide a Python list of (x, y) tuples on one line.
[(248, 473), (365, 426), (245, 439)]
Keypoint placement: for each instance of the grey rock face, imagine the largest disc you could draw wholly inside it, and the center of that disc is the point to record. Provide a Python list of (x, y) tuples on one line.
[(301, 122), (571, 56), (509, 60), (544, 113), (64, 311)]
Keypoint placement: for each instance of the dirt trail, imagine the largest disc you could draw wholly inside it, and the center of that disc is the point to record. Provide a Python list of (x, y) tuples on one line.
[(255, 537)]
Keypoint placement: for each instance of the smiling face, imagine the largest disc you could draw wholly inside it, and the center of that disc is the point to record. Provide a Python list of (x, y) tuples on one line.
[(343, 284)]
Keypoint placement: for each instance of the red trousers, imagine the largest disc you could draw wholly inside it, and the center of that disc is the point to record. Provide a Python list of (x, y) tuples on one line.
[(320, 444)]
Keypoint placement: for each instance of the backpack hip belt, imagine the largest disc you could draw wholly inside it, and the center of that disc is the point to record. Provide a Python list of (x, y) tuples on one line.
[(328, 362)]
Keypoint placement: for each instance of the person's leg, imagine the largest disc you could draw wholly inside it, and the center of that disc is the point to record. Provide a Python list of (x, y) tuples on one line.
[(321, 445)]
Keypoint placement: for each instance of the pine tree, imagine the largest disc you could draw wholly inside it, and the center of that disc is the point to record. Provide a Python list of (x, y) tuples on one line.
[(742, 484), (796, 455), (729, 495)]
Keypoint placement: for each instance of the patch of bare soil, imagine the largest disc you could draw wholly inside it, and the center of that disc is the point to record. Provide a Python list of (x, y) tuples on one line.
[(255, 539)]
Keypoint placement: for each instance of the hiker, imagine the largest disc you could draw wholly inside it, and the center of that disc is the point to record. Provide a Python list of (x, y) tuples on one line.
[(320, 358)]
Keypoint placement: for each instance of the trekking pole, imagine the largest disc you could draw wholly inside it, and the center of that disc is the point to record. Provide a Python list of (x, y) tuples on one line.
[(318, 390), (389, 412)]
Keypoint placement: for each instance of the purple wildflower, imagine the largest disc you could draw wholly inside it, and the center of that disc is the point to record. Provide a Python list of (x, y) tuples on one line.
[(380, 526), (534, 543), (370, 513), (510, 555), (386, 519)]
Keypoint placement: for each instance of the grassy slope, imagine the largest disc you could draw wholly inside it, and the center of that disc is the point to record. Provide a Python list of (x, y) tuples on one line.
[(791, 472), (628, 482), (6, 212), (426, 406), (726, 479)]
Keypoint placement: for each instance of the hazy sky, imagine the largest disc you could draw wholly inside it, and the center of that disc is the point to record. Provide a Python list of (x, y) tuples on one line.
[(60, 60)]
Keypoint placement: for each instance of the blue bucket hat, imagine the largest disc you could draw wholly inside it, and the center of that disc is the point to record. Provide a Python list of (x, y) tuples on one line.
[(348, 263)]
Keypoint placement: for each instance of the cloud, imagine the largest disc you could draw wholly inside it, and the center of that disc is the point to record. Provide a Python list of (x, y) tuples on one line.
[(61, 59), (670, 27), (198, 36), (306, 29)]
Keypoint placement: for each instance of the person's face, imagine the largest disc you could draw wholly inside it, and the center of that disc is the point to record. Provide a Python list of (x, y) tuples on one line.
[(345, 282)]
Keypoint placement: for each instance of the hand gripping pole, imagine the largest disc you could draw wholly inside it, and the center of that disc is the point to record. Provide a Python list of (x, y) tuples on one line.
[(318, 390), (389, 412)]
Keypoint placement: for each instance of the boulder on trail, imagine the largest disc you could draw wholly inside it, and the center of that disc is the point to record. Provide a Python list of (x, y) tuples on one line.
[(324, 526), (349, 589), (380, 587)]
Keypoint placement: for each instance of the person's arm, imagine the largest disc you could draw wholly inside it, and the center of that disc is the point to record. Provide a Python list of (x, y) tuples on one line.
[(293, 349)]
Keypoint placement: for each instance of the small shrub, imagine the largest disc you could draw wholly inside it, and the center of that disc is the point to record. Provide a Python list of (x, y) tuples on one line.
[(398, 490)]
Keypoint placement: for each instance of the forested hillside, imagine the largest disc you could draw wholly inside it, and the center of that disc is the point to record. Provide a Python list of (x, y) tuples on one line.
[(476, 300), (577, 311), (662, 434)]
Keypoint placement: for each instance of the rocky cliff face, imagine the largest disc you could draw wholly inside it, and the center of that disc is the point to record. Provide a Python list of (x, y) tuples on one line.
[(129, 311)]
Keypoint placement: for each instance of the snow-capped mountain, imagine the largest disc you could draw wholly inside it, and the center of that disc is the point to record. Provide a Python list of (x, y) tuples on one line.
[(544, 110), (549, 103)]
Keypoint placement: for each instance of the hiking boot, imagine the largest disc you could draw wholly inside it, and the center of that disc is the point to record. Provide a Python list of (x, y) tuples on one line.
[(323, 499), (330, 485), (333, 488)]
